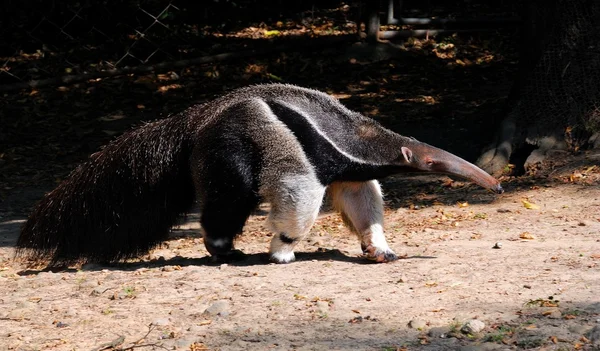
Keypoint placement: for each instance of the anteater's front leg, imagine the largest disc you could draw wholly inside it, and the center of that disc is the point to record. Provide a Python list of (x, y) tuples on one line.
[(295, 203), (361, 206)]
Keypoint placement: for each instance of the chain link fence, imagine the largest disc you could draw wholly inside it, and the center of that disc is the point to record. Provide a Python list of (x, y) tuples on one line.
[(44, 39), (563, 86)]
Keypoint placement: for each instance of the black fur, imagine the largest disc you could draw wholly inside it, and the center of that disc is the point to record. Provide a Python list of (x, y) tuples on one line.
[(137, 184), (286, 239)]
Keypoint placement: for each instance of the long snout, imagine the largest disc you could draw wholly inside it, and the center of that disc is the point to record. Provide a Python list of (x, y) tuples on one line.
[(454, 165)]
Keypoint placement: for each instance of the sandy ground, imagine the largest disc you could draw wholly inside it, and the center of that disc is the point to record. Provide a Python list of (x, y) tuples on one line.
[(539, 290)]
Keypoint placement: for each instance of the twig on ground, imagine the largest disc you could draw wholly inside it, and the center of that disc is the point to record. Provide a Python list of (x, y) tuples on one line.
[(111, 345)]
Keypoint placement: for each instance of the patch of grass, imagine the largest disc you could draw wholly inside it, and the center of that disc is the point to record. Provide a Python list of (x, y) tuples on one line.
[(129, 291), (455, 329), (573, 312), (549, 302), (500, 334), (480, 216)]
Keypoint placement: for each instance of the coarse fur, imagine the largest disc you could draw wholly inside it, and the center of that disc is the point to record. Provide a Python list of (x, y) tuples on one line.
[(273, 143)]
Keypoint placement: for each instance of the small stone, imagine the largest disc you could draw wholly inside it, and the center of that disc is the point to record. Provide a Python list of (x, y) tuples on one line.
[(555, 314), (161, 322), (403, 279), (120, 295), (418, 324), (184, 343), (497, 245), (323, 306), (439, 332), (473, 326), (219, 308)]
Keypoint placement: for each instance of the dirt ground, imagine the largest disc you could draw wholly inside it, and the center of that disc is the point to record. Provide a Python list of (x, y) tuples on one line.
[(538, 290)]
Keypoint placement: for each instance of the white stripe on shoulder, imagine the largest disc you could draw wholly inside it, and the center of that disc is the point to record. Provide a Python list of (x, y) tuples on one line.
[(323, 135)]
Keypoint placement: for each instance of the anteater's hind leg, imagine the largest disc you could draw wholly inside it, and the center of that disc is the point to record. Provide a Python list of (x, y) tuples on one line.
[(295, 204), (227, 195), (222, 221), (361, 206)]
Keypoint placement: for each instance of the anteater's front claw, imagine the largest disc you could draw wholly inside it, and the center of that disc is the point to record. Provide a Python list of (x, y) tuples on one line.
[(379, 256)]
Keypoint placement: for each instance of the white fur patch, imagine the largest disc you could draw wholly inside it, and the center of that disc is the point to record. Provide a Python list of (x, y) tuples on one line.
[(378, 238), (283, 257), (362, 204), (294, 208), (218, 242)]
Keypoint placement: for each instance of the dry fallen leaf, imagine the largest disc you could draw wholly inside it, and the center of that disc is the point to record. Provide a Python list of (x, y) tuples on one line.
[(476, 236), (198, 346), (530, 205), (463, 204), (526, 236)]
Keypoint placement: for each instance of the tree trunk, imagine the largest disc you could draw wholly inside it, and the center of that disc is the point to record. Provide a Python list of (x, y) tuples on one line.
[(373, 21)]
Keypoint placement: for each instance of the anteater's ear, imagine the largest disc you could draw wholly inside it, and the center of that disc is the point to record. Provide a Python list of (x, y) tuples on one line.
[(407, 153)]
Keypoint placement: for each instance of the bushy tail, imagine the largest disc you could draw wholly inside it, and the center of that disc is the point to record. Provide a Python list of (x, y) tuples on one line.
[(118, 204)]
